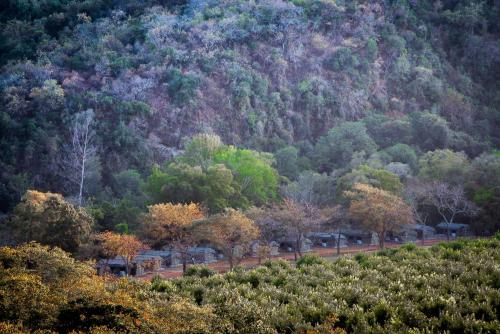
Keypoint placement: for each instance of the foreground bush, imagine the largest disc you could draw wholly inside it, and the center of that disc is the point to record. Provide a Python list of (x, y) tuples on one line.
[(452, 288)]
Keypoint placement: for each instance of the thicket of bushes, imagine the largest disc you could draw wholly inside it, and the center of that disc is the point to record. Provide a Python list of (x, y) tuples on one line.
[(452, 287)]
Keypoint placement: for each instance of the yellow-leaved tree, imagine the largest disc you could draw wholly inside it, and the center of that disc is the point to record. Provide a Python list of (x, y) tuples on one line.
[(49, 219), (232, 232), (378, 210), (125, 246), (172, 225)]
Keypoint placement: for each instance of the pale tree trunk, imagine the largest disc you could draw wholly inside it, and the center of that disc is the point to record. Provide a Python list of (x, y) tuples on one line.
[(80, 153), (82, 166)]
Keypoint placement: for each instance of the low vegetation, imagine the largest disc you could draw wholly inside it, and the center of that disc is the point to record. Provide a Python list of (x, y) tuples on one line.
[(451, 287)]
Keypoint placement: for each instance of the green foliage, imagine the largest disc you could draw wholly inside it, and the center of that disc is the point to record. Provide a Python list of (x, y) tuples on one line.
[(430, 131), (199, 271), (484, 184), (371, 49), (181, 87), (217, 175), (253, 172), (182, 183), (314, 188), (369, 293), (379, 178), (287, 162), (386, 132), (154, 184), (201, 149), (403, 153), (444, 165), (337, 148), (342, 59), (309, 260)]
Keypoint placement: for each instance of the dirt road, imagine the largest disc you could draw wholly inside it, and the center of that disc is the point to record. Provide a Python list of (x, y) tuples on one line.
[(223, 266)]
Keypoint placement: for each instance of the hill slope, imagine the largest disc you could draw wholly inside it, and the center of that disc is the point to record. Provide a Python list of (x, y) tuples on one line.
[(261, 74)]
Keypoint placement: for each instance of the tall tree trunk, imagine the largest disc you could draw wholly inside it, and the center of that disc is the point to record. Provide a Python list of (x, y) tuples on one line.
[(82, 168), (84, 160), (127, 266), (297, 247), (82, 151), (230, 260), (184, 263), (381, 240)]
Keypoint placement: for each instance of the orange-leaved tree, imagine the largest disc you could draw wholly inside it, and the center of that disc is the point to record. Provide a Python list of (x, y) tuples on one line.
[(378, 210), (297, 219), (232, 232), (124, 246), (172, 225)]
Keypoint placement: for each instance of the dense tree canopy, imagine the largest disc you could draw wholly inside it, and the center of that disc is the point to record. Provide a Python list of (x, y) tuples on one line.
[(379, 210), (232, 232), (49, 219), (318, 83)]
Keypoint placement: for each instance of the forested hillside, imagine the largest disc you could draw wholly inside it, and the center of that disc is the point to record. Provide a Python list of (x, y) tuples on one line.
[(325, 85)]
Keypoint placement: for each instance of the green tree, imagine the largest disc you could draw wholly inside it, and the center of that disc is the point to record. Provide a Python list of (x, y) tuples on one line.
[(253, 171), (312, 188), (200, 150), (444, 165), (336, 149), (287, 162), (154, 184), (403, 153), (182, 183), (430, 131), (484, 187), (387, 131), (379, 178), (220, 191)]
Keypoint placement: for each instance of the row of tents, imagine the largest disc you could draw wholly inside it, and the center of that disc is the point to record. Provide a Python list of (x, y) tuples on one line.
[(155, 260)]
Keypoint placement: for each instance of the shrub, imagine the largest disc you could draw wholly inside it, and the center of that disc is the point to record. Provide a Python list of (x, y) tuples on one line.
[(308, 260), (199, 271), (161, 285), (409, 247)]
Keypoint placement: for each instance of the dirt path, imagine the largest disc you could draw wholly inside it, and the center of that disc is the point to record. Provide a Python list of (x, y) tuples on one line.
[(223, 266)]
